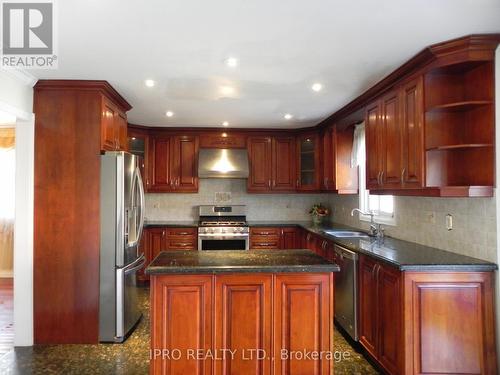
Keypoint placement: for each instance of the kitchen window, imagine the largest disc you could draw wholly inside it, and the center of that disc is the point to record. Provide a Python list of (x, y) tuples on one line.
[(381, 205)]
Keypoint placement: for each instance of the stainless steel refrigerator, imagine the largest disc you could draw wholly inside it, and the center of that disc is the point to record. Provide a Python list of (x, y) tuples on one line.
[(122, 221)]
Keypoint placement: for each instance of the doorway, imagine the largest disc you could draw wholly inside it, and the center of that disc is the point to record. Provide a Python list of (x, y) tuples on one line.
[(7, 217)]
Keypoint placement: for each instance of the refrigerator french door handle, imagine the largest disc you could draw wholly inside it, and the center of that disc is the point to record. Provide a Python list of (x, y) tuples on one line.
[(138, 184), (142, 204)]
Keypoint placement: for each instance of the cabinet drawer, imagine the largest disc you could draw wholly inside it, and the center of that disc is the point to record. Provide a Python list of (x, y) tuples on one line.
[(182, 244), (265, 242), (265, 231), (181, 232)]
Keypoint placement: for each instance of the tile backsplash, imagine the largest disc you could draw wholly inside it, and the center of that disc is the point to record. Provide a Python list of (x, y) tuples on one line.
[(271, 207), (474, 222)]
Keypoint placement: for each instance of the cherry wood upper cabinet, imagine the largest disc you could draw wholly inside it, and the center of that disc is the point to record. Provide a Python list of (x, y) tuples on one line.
[(338, 175), (259, 154), (308, 162), (243, 321), (173, 164), (394, 139), (373, 146), (412, 128), (109, 131), (272, 164), (328, 159), (185, 168), (161, 153), (390, 141), (283, 164), (113, 127)]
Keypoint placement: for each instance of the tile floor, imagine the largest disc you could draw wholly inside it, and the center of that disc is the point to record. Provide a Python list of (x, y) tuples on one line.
[(132, 357)]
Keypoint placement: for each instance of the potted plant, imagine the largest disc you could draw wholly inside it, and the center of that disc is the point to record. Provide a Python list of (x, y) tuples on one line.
[(318, 213)]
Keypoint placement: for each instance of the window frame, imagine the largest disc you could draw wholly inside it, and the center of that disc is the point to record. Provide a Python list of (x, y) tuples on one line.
[(364, 194)]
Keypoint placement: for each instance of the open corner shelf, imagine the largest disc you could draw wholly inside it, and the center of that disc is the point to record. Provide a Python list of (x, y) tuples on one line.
[(459, 146), (461, 106)]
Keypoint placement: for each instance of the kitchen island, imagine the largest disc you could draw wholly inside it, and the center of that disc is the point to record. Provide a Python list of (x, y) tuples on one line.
[(242, 312)]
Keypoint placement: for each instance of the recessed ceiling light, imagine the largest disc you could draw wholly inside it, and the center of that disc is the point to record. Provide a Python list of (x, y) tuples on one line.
[(317, 87), (149, 83), (232, 62), (169, 113), (288, 116), (225, 123), (227, 90)]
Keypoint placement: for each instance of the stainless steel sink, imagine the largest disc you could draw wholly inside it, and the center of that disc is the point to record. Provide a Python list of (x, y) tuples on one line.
[(346, 234)]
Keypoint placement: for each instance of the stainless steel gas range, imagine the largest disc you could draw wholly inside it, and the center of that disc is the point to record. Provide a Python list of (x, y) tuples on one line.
[(223, 228)]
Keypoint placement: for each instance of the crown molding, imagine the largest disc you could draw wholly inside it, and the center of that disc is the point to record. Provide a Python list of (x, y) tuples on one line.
[(22, 76)]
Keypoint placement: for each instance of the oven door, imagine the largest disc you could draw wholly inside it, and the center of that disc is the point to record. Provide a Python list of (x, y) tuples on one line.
[(227, 242)]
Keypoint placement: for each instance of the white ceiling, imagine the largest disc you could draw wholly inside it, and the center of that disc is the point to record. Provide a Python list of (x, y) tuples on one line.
[(283, 48)]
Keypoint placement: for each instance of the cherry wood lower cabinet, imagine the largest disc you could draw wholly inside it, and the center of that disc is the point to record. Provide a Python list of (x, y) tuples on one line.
[(181, 324), (449, 323), (274, 238), (157, 239), (241, 323), (427, 322)]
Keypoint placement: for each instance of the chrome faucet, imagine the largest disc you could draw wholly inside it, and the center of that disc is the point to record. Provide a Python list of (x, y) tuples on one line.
[(376, 229)]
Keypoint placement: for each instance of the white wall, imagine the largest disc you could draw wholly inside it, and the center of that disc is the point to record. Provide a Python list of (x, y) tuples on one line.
[(16, 98)]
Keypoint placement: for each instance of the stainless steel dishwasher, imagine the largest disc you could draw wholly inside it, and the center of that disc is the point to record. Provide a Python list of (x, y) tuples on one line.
[(346, 291)]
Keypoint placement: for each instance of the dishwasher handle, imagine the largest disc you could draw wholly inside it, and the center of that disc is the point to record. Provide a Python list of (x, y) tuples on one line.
[(345, 253)]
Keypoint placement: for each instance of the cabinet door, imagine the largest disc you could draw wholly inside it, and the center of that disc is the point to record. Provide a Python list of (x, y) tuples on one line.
[(174, 329), (390, 138), (109, 132), (185, 169), (243, 318), (303, 320), (138, 145), (389, 319), (121, 131), (373, 146), (160, 164), (328, 180), (283, 166), (413, 134), (308, 162), (289, 238), (259, 154), (156, 241), (368, 296)]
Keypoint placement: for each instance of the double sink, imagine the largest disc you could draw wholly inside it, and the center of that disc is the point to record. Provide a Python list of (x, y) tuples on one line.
[(346, 234)]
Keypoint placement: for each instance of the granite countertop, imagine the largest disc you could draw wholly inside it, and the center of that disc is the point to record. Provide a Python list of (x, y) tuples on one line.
[(239, 261), (171, 224), (406, 256)]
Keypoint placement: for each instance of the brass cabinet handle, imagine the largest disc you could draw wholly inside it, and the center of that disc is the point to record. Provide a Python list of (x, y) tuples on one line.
[(269, 183), (378, 177), (297, 182), (403, 175), (382, 178), (183, 233), (163, 233)]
